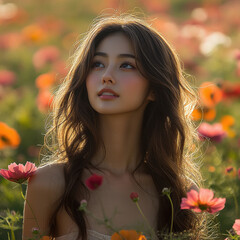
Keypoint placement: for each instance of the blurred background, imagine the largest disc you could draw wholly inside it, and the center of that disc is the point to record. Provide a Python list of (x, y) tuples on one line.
[(37, 37)]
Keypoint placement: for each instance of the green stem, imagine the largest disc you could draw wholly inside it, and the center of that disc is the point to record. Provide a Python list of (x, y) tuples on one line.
[(171, 227), (106, 223), (12, 234), (29, 207), (146, 221), (11, 230), (235, 203)]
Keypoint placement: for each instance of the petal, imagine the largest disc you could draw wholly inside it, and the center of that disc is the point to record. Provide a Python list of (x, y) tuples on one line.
[(205, 196), (191, 201), (217, 204), (236, 226), (4, 173), (197, 210), (184, 204), (192, 197), (28, 166), (19, 168), (11, 166)]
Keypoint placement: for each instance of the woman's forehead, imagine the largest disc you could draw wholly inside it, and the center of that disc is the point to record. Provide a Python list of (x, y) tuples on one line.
[(115, 43)]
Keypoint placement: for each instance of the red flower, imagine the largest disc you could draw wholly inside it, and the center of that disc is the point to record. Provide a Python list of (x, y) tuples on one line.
[(134, 196), (214, 132), (236, 226), (94, 181), (229, 169), (238, 173), (203, 201), (18, 173)]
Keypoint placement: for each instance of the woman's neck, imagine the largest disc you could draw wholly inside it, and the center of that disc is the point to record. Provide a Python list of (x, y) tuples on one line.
[(121, 136)]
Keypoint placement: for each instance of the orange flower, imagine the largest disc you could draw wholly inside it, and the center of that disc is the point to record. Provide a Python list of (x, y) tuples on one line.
[(227, 122), (207, 114), (45, 238), (196, 114), (8, 136), (45, 81), (34, 33), (211, 169), (210, 94), (128, 235)]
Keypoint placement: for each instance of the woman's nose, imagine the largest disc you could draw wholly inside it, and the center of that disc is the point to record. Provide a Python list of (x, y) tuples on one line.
[(108, 76)]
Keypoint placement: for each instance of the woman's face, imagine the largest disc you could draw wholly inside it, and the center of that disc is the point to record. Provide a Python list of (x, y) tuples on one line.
[(114, 84)]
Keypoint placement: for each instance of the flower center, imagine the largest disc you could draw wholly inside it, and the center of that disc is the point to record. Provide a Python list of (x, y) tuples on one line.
[(203, 207), (4, 139)]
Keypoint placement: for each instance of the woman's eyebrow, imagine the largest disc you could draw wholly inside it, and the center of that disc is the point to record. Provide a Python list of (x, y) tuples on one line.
[(122, 55)]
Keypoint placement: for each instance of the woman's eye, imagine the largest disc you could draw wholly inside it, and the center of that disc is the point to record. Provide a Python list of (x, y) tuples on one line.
[(127, 65), (97, 65)]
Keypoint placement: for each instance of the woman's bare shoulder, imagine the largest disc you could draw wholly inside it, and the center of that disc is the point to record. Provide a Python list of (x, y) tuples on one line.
[(49, 178), (44, 190)]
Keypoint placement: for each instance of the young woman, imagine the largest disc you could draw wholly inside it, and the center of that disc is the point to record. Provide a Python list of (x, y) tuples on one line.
[(123, 112)]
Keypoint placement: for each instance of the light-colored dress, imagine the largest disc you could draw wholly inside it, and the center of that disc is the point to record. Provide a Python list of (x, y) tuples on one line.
[(92, 235)]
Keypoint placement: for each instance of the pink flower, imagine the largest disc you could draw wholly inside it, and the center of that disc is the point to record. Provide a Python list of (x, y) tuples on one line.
[(238, 173), (7, 77), (203, 201), (214, 132), (45, 55), (134, 196), (10, 40), (94, 181), (236, 226), (18, 173)]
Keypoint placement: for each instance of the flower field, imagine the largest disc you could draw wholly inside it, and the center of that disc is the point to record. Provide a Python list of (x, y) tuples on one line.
[(36, 39)]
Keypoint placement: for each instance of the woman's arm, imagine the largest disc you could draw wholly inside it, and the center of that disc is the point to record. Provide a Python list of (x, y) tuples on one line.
[(43, 191)]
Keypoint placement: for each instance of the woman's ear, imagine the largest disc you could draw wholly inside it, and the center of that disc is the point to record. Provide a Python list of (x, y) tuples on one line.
[(151, 96)]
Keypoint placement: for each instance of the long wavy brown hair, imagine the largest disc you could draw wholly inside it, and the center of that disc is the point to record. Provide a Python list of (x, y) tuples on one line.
[(167, 140)]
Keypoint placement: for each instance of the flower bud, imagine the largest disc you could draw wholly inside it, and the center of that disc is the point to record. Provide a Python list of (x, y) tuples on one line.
[(166, 191), (83, 205), (94, 181), (35, 230), (134, 196)]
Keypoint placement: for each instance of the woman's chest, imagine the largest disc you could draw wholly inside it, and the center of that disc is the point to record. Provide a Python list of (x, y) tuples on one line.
[(122, 212), (112, 205)]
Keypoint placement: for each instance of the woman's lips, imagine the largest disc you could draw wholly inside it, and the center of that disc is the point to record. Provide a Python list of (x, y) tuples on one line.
[(107, 93), (108, 97)]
